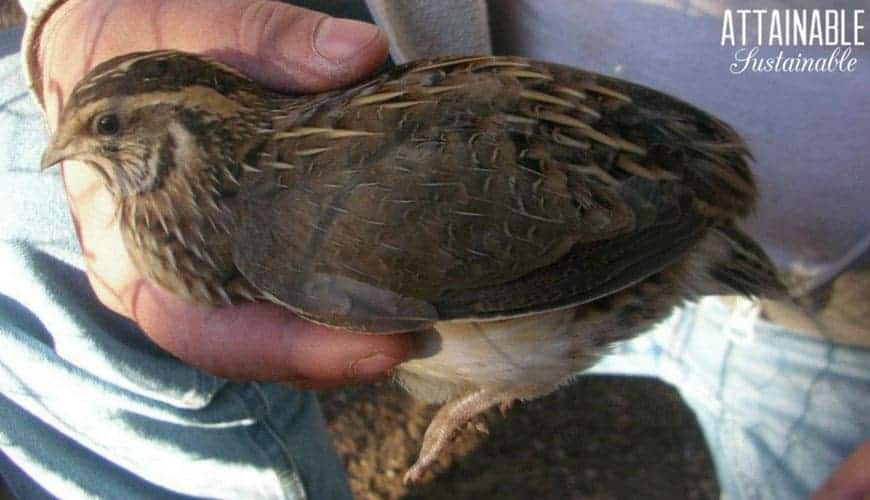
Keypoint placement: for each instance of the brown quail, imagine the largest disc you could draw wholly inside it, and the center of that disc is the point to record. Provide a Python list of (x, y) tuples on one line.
[(518, 216)]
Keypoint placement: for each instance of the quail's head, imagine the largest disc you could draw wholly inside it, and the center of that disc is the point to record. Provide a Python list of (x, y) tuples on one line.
[(136, 119)]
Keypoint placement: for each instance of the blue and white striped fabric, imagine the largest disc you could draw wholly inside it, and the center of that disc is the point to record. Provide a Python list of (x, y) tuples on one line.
[(89, 407)]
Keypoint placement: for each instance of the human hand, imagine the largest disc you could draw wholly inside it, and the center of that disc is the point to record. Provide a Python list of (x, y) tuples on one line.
[(287, 48), (851, 480)]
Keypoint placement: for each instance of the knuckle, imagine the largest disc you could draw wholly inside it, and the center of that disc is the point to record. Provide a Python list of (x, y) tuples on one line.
[(262, 23)]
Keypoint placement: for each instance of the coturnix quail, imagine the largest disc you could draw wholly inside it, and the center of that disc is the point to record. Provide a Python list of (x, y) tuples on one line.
[(518, 216)]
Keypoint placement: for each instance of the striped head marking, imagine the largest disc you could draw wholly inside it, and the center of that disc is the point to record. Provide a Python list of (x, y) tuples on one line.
[(138, 117)]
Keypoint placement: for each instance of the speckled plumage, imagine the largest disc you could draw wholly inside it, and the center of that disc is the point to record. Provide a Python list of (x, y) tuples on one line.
[(518, 215)]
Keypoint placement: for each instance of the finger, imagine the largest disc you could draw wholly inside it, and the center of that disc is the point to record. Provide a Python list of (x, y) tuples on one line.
[(851, 480), (286, 47), (94, 212), (262, 341), (296, 49)]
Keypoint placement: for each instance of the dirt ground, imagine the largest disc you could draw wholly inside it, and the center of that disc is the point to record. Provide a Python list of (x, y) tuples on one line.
[(600, 438)]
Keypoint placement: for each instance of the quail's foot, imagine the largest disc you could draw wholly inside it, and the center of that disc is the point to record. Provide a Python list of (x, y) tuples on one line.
[(449, 419)]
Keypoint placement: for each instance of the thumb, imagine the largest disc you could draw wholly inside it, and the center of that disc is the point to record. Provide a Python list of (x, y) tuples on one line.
[(285, 47)]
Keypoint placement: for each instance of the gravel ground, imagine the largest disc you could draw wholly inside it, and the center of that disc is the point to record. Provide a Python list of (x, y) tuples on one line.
[(600, 438)]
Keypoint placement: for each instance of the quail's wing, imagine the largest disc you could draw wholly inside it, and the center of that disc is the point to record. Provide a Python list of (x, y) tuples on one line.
[(479, 188)]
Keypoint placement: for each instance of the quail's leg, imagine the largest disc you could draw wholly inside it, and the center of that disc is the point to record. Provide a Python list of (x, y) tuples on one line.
[(453, 415)]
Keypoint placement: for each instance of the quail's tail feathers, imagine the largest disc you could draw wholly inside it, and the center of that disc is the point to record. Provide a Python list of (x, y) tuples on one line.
[(729, 262)]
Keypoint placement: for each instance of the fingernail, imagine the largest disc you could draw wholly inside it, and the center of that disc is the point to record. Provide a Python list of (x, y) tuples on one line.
[(371, 366), (339, 39)]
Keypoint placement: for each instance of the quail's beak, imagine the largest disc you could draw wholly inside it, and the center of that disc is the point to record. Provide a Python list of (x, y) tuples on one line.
[(54, 154)]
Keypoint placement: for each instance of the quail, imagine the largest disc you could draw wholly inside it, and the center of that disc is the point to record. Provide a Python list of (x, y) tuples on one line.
[(517, 216)]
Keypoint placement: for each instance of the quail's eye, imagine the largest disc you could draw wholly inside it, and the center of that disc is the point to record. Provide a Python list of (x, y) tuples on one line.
[(107, 124), (153, 69)]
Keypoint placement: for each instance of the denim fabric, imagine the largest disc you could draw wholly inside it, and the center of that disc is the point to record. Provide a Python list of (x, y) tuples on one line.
[(779, 411), (88, 406)]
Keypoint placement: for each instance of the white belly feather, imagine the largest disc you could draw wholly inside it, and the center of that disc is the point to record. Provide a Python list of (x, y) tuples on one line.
[(535, 351)]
